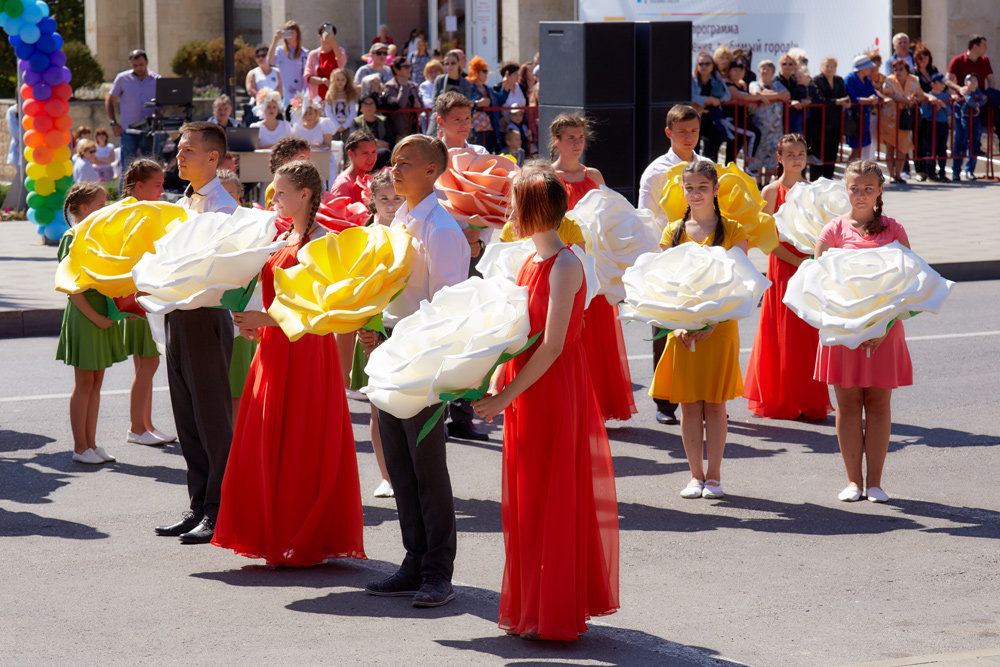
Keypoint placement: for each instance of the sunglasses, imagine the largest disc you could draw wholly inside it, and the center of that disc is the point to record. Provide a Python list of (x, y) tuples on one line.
[(380, 53), (898, 68), (705, 64), (260, 55)]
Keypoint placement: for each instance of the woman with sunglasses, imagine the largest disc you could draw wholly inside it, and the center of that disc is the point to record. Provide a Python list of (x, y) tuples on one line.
[(322, 61), (452, 79), (708, 93), (83, 163), (263, 75)]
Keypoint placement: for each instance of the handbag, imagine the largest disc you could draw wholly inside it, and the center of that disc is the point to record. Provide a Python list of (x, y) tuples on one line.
[(906, 119), (852, 122)]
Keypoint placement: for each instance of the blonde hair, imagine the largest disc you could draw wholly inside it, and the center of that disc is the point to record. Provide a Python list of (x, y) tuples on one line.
[(83, 145), (350, 91)]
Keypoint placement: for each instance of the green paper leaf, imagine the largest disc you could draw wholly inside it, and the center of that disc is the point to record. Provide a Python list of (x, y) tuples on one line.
[(376, 324), (114, 313), (472, 394), (236, 299), (664, 332)]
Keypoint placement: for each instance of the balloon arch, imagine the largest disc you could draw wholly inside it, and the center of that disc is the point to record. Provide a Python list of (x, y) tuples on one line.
[(45, 117)]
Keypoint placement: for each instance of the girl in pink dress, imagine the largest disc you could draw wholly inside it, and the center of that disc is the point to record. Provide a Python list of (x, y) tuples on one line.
[(863, 379)]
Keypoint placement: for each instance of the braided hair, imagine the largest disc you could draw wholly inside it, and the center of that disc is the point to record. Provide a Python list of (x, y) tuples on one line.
[(79, 196), (138, 172), (869, 168), (304, 176), (706, 169)]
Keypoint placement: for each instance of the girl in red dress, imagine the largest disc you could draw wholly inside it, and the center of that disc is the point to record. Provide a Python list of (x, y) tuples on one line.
[(779, 382), (560, 513), (291, 493), (602, 332)]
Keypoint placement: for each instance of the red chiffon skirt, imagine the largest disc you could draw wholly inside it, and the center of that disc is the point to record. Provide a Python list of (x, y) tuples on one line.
[(608, 360), (291, 494), (779, 380)]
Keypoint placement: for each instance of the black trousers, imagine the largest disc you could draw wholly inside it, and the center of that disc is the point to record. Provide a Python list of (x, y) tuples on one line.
[(199, 349), (422, 486), (659, 345)]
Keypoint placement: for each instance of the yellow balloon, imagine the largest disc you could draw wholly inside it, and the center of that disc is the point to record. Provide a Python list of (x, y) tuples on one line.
[(55, 170), (36, 171), (44, 185), (29, 154), (61, 154)]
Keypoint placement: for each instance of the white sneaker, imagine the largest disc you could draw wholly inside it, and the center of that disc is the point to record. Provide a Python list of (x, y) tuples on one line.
[(384, 490), (356, 395), (164, 437), (712, 490), (103, 454), (877, 495), (146, 438), (693, 489), (88, 456), (850, 494)]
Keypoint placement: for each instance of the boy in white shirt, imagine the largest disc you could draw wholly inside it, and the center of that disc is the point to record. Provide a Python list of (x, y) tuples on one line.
[(419, 475)]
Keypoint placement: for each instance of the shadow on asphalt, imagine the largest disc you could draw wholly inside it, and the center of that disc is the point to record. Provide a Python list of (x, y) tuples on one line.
[(939, 437), (26, 524), (979, 522), (602, 642), (15, 441), (772, 432)]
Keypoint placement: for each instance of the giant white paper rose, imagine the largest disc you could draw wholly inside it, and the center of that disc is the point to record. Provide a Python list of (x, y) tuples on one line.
[(504, 260), (691, 286), (615, 234), (807, 207), (853, 296), (195, 263), (448, 345)]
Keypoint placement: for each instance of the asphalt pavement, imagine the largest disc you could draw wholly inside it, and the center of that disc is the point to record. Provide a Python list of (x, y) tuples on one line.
[(776, 573)]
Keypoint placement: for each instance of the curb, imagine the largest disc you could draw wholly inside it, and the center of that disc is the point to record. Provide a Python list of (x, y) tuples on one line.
[(962, 272), (26, 323)]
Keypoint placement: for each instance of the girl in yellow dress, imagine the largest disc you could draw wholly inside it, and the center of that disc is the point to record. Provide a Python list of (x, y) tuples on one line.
[(702, 379)]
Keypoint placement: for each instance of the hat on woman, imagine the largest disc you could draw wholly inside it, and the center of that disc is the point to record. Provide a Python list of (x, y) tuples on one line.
[(862, 62)]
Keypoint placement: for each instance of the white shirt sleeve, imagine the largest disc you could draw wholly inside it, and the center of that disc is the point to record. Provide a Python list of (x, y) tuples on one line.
[(448, 258)]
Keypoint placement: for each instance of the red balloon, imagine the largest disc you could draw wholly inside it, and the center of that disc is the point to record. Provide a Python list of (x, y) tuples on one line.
[(63, 91), (56, 107), (54, 139), (34, 138), (63, 123), (41, 123), (26, 92), (33, 108), (42, 155)]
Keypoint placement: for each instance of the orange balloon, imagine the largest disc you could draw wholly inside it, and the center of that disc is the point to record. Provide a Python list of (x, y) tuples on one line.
[(61, 154), (63, 123), (42, 155), (53, 139), (34, 139), (28, 123)]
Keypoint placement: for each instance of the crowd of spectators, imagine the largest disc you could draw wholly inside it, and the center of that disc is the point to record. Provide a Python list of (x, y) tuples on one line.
[(902, 106)]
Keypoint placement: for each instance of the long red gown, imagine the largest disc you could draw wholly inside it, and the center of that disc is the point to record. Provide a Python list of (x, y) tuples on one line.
[(560, 512), (603, 339), (291, 494), (779, 380)]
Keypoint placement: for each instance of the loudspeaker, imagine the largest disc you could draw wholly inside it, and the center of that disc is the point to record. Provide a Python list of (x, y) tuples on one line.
[(588, 63), (613, 149), (662, 62), (650, 140)]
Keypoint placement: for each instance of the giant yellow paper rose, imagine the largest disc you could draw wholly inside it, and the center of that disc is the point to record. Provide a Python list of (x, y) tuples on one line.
[(739, 199), (109, 242), (341, 281)]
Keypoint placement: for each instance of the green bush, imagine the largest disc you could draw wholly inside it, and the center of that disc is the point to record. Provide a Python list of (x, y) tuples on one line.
[(204, 61), (112, 188), (85, 68)]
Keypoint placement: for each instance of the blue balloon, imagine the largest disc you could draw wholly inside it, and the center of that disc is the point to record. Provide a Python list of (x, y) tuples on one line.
[(45, 44), (15, 41), (44, 7), (31, 215), (12, 26), (32, 13), (25, 51), (58, 217), (29, 33), (54, 230), (41, 229), (58, 58), (23, 65), (47, 25), (40, 61), (42, 92), (32, 78), (67, 75), (58, 39), (53, 75)]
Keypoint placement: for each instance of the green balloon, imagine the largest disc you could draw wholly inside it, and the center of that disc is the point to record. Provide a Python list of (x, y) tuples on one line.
[(29, 184), (35, 200), (63, 185), (14, 8), (44, 216)]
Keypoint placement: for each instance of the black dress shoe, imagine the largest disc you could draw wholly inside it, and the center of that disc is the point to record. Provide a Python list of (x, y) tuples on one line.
[(666, 417), (200, 534), (435, 592), (188, 521), (466, 432), (398, 585)]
